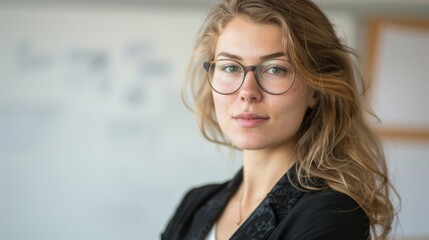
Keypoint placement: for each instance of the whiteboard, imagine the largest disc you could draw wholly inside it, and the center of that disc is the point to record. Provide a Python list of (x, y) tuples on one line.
[(94, 140)]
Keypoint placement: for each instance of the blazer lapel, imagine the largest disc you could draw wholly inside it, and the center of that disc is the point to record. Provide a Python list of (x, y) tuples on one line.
[(272, 210)]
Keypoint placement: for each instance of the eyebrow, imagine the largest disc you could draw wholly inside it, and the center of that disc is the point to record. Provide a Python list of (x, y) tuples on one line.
[(265, 57)]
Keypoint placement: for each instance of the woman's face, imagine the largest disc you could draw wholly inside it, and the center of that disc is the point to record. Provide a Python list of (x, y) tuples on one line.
[(251, 118)]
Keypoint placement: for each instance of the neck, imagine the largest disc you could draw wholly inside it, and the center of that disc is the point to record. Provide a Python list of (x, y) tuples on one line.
[(261, 171)]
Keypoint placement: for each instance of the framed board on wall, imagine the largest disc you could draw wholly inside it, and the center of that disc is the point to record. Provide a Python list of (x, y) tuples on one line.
[(398, 68)]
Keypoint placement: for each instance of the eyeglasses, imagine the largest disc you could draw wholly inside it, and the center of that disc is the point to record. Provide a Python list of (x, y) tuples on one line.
[(275, 76)]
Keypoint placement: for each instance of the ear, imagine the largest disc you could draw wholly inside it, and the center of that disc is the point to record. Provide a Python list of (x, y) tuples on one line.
[(312, 101)]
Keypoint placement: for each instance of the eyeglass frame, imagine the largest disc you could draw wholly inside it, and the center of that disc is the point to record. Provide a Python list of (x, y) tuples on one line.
[(253, 68)]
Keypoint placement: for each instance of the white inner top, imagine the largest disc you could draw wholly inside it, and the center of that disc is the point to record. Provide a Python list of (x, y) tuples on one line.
[(212, 232)]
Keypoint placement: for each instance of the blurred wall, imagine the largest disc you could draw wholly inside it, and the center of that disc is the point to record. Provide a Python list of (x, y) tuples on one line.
[(94, 140), (398, 96)]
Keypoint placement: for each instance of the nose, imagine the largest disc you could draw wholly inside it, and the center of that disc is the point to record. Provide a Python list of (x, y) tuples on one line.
[(250, 90)]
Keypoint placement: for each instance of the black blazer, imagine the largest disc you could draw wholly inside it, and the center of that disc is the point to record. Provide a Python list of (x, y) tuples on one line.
[(285, 213)]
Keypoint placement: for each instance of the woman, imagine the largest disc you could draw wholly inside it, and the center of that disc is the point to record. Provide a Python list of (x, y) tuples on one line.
[(271, 78)]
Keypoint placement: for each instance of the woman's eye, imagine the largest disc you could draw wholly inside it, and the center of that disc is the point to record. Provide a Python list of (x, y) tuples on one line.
[(231, 68), (277, 70)]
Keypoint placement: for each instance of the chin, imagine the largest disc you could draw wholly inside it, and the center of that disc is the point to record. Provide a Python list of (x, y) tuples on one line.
[(256, 143), (246, 145), (249, 141)]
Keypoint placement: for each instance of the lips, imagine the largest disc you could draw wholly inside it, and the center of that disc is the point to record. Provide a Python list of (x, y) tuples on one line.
[(250, 120)]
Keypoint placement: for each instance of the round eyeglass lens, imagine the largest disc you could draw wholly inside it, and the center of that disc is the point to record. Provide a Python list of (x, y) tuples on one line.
[(225, 76), (275, 76)]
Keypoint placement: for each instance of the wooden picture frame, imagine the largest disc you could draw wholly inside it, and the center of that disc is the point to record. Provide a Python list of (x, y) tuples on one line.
[(397, 59)]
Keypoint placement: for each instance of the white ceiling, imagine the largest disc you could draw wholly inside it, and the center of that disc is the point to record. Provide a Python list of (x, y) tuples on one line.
[(420, 7), (378, 5)]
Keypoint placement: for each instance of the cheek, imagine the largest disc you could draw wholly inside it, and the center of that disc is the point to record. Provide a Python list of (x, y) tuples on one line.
[(293, 109), (301, 94), (220, 104)]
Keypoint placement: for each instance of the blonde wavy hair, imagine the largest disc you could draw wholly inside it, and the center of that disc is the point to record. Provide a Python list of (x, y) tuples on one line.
[(335, 142)]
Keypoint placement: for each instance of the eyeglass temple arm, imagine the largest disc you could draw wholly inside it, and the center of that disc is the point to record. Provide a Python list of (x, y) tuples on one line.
[(207, 65)]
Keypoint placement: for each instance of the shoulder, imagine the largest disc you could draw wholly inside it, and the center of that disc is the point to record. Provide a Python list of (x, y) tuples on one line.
[(195, 197), (203, 190), (328, 200), (327, 214), (198, 195), (190, 203)]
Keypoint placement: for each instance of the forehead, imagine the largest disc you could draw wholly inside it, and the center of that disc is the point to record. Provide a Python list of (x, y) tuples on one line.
[(250, 40)]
